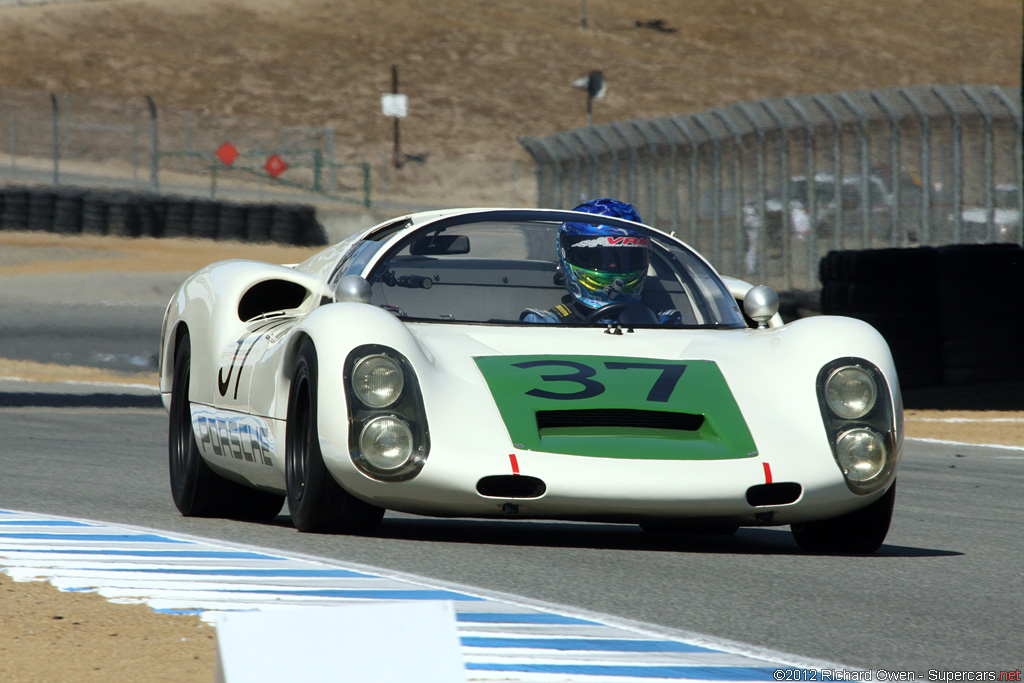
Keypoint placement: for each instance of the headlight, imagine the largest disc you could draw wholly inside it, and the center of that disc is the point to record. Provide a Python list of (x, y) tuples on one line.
[(377, 381), (851, 392), (388, 439), (386, 442), (861, 454), (863, 419)]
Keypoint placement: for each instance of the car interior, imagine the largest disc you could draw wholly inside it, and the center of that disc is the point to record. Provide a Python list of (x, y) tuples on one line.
[(491, 273)]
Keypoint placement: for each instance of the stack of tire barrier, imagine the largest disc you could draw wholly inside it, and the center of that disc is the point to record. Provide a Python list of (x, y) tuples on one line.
[(943, 310), (70, 210)]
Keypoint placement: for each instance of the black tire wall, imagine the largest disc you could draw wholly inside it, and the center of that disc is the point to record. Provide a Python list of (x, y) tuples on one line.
[(945, 311), (70, 210)]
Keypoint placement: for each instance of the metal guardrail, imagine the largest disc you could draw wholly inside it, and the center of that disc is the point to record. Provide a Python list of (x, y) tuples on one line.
[(765, 188)]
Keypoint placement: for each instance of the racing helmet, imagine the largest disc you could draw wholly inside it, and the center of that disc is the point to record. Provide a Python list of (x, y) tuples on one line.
[(603, 264)]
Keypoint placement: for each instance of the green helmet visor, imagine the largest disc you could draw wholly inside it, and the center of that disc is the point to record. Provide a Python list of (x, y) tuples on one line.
[(598, 281)]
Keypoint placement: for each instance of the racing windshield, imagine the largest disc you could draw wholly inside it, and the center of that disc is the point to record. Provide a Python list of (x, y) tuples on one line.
[(493, 267)]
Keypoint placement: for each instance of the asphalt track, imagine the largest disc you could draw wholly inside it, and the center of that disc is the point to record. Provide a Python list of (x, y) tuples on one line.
[(943, 593)]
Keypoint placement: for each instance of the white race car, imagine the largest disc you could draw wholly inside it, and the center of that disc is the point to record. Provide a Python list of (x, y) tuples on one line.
[(395, 370)]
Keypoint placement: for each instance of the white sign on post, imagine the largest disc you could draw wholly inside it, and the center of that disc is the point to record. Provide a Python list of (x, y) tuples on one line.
[(394, 105), (382, 642)]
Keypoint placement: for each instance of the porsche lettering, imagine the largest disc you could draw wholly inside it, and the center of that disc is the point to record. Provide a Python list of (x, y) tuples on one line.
[(241, 438)]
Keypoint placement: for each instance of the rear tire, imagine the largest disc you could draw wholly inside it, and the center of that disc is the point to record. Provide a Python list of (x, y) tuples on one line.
[(197, 490), (857, 533), (316, 502)]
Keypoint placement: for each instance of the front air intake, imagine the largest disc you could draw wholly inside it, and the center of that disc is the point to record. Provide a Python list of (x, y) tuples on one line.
[(614, 417), (511, 486), (782, 493)]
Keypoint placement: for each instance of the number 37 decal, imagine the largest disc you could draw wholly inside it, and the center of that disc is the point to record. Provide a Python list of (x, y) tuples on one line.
[(576, 381)]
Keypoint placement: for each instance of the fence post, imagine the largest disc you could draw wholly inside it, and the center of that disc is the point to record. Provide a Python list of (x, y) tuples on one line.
[(1018, 127), (652, 194), (154, 148), (958, 162), (785, 175), (673, 177), (617, 127), (837, 165), (613, 156), (926, 164), (591, 163), (989, 161), (66, 126), (895, 221), (332, 176), (865, 168), (530, 144), (14, 145), (576, 192), (318, 169), (693, 182), (762, 195), (811, 170), (366, 184), (56, 138), (556, 165), (737, 187), (716, 186)]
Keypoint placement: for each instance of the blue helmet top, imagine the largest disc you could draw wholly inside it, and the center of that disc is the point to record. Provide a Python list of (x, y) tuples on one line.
[(603, 264), (606, 206)]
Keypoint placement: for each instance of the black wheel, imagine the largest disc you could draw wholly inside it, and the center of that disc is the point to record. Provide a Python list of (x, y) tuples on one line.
[(197, 490), (858, 533), (315, 501)]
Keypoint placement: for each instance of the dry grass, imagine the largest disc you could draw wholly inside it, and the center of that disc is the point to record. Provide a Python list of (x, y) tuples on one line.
[(479, 73)]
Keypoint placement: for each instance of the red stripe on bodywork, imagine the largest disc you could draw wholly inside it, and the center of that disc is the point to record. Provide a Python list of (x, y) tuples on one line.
[(767, 473), (515, 463)]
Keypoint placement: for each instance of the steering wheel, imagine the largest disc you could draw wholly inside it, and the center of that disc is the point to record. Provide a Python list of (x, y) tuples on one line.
[(617, 308)]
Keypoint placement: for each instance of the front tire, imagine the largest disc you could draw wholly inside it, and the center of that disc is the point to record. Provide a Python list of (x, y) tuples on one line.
[(857, 533), (316, 502), (197, 490)]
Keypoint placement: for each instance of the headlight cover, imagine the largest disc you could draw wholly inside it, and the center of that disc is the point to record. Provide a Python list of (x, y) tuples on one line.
[(851, 392), (386, 442), (388, 436), (377, 380), (863, 427), (861, 454)]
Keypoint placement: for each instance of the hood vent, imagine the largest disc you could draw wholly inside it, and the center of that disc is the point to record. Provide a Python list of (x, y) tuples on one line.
[(612, 417)]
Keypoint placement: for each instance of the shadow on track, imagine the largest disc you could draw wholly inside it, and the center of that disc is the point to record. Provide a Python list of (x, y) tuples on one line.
[(597, 536)]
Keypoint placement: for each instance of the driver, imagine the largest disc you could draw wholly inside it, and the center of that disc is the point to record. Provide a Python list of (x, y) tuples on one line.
[(601, 265)]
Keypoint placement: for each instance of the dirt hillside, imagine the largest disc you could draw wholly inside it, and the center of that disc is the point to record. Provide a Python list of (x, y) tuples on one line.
[(478, 73)]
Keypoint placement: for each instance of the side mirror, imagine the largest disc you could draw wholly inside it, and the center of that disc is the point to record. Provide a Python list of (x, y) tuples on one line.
[(352, 289), (761, 304)]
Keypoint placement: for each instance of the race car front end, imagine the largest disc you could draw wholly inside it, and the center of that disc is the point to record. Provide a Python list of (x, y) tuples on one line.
[(696, 427)]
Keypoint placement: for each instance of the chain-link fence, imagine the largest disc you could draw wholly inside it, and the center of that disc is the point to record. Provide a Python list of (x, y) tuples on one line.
[(64, 139), (765, 188)]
